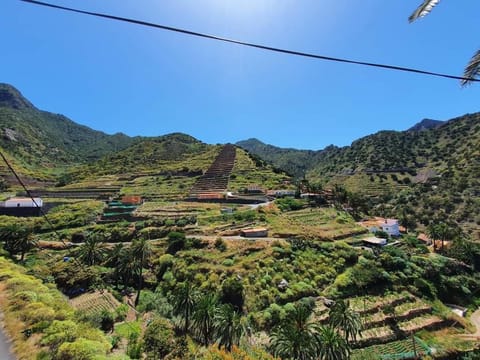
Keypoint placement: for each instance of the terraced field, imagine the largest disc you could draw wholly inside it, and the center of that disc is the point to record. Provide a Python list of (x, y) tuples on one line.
[(373, 185), (388, 322), (247, 172), (95, 302), (215, 179), (403, 349), (321, 223), (159, 188)]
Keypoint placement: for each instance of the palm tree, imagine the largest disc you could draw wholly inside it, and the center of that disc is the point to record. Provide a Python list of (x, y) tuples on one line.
[(141, 251), (446, 233), (333, 345), (92, 251), (18, 239), (114, 259), (25, 244), (126, 268), (473, 67), (297, 337), (203, 317), (228, 325), (434, 234), (342, 317), (440, 231), (183, 300)]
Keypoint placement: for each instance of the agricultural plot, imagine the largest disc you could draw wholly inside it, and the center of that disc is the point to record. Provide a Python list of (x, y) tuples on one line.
[(247, 172), (403, 349), (375, 184), (392, 317), (368, 304), (320, 223), (95, 302), (430, 322), (380, 334), (159, 188)]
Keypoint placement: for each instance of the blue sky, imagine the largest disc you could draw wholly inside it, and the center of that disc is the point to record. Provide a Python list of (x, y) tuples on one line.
[(118, 77)]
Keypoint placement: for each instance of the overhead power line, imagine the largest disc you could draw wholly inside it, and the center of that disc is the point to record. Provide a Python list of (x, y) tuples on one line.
[(252, 45), (30, 195)]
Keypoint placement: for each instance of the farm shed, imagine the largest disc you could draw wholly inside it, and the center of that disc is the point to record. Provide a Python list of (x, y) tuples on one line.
[(257, 232)]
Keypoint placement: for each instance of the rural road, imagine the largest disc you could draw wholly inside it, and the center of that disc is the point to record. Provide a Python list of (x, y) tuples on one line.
[(5, 353)]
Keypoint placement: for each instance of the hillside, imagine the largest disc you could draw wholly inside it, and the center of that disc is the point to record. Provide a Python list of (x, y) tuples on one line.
[(295, 162), (39, 141), (431, 171)]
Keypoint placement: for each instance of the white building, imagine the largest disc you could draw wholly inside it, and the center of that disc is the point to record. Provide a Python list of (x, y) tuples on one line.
[(390, 226), (22, 202)]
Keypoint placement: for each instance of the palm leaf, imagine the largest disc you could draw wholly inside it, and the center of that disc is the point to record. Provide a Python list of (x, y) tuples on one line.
[(472, 69), (423, 10)]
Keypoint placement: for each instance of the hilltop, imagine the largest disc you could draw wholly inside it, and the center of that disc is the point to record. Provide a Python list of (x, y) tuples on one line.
[(295, 162), (426, 124), (40, 143)]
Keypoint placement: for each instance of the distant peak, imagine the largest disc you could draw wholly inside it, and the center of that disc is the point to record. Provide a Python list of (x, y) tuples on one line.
[(426, 124), (250, 141), (179, 136), (12, 98)]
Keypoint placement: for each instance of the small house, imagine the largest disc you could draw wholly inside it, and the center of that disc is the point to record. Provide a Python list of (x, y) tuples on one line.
[(21, 206), (254, 233), (390, 226)]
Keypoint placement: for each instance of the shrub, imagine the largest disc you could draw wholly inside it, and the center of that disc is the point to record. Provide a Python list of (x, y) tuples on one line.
[(165, 263), (228, 262), (232, 292), (176, 242), (82, 349), (159, 339), (220, 244), (121, 312)]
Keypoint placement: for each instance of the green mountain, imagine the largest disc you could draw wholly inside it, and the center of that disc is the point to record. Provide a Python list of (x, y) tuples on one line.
[(430, 172), (293, 161), (39, 142), (170, 153)]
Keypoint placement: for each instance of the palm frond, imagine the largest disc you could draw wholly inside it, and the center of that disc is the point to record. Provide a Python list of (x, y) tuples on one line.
[(423, 10), (472, 69)]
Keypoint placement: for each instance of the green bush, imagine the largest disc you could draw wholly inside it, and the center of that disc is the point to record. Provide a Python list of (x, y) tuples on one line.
[(159, 339), (289, 204), (220, 244), (82, 349)]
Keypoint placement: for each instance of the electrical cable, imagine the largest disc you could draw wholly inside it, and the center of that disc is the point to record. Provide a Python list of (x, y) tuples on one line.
[(30, 195), (28, 192), (253, 45)]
